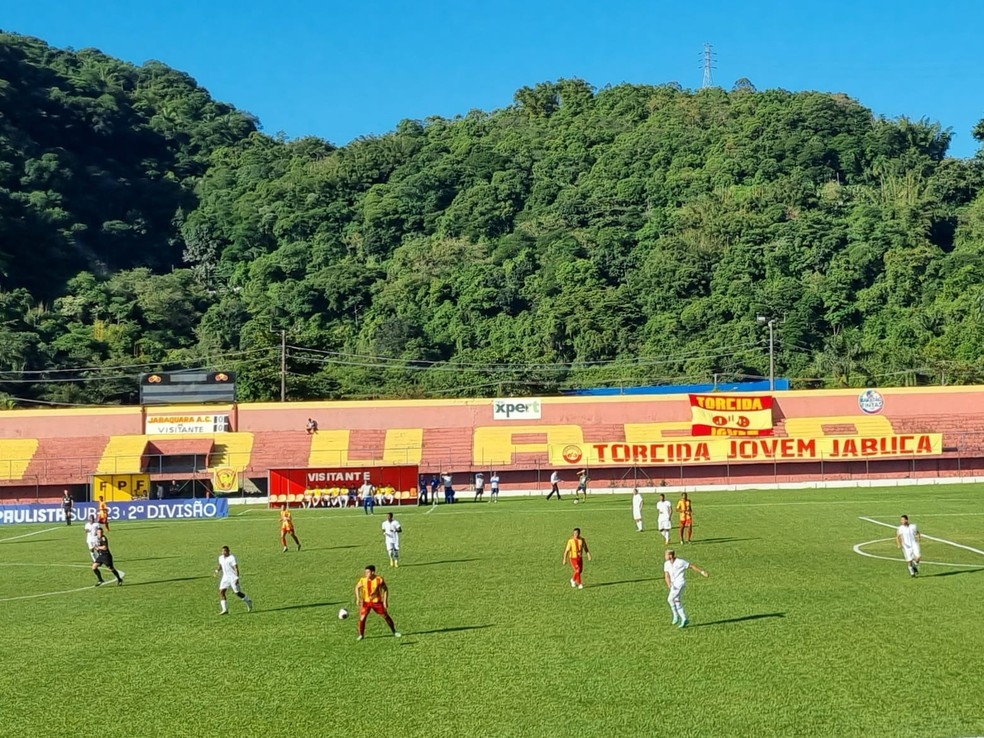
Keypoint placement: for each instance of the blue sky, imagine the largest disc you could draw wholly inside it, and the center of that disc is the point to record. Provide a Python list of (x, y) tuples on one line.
[(339, 70)]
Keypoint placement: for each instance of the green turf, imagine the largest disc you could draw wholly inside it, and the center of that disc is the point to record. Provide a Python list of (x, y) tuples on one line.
[(794, 634)]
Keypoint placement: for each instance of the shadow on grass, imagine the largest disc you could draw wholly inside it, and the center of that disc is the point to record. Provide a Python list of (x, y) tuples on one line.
[(742, 619), (436, 563), (623, 581), (161, 581), (452, 629), (952, 573), (719, 540), (303, 606), (152, 558)]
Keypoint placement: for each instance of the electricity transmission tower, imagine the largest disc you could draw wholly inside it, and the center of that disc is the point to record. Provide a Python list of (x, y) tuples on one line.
[(708, 65)]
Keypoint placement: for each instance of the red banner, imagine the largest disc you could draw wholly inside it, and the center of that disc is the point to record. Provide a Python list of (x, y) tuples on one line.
[(297, 481), (731, 415)]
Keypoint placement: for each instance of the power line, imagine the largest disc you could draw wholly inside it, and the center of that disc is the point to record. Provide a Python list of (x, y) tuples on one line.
[(218, 357)]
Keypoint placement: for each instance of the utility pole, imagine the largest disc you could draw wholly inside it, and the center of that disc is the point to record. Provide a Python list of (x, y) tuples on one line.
[(708, 65), (772, 355), (771, 323), (283, 366)]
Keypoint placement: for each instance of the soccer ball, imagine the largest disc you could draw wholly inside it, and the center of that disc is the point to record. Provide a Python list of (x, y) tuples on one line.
[(576, 501), (342, 614)]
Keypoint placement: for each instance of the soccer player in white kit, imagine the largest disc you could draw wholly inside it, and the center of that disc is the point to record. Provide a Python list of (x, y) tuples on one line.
[(637, 509), (391, 533), (674, 572), (91, 537), (664, 508), (229, 568), (908, 538)]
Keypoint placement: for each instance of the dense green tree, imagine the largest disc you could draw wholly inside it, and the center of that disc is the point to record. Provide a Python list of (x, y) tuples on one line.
[(577, 237)]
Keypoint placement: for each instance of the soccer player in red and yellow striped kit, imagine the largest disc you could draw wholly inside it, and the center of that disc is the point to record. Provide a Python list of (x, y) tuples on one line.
[(372, 595), (576, 550), (287, 529), (102, 517)]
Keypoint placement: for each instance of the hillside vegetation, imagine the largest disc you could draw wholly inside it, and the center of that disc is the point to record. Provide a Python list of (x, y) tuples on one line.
[(579, 237)]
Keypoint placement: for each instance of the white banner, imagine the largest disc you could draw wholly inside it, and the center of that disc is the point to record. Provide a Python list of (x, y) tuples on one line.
[(168, 425)]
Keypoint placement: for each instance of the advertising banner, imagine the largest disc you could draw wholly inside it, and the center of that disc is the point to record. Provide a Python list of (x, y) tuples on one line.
[(730, 450), (143, 510), (523, 408), (731, 415)]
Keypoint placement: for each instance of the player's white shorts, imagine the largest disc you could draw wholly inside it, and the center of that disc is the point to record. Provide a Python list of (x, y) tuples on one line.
[(676, 593), (912, 552), (230, 583), (663, 523), (393, 548)]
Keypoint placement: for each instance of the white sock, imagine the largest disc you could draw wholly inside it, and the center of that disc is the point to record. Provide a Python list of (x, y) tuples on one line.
[(639, 525), (225, 605)]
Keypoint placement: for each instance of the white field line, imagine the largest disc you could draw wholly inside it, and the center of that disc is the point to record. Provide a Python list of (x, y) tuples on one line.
[(931, 538), (825, 503), (62, 591), (35, 533), (46, 594), (858, 547)]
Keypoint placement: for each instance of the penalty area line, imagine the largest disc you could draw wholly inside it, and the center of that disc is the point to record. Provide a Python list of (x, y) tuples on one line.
[(931, 538), (35, 533), (858, 547)]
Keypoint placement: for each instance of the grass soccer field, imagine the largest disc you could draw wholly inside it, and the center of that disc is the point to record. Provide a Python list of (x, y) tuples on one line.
[(808, 625)]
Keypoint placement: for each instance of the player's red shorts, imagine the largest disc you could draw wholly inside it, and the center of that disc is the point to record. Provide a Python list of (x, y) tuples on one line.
[(287, 528), (578, 565), (376, 607), (102, 518), (686, 520)]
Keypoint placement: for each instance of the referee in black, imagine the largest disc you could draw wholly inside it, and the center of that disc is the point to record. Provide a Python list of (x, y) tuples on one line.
[(67, 504), (104, 558)]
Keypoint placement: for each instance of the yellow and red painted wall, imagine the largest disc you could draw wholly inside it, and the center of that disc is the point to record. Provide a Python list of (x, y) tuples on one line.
[(789, 436)]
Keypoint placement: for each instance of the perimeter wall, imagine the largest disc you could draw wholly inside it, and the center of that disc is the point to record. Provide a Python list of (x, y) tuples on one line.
[(891, 433)]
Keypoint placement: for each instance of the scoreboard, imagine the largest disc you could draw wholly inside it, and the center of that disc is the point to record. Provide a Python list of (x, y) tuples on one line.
[(174, 388)]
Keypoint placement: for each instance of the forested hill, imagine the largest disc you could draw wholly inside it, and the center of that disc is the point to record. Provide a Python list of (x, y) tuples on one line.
[(578, 237)]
